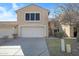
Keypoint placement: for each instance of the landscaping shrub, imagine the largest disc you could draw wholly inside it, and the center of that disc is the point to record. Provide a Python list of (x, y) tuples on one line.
[(60, 34), (15, 35)]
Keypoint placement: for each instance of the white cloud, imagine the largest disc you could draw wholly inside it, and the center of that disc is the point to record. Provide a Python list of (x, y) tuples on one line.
[(8, 15), (14, 6), (2, 10), (50, 16)]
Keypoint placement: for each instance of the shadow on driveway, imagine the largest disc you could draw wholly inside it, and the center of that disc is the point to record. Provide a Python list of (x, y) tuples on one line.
[(25, 46)]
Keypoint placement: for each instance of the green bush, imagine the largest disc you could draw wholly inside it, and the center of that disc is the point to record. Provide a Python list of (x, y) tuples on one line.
[(60, 34), (15, 35)]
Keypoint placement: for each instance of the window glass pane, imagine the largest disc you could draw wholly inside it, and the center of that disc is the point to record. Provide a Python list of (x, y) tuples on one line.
[(37, 16), (32, 16), (27, 17)]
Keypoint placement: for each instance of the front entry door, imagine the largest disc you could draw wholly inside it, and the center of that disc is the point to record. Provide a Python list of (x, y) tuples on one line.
[(75, 32)]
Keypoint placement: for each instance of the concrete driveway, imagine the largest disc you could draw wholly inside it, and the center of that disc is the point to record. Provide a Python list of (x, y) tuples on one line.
[(25, 46)]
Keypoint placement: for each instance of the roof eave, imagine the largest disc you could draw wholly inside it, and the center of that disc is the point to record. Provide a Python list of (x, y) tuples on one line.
[(30, 5)]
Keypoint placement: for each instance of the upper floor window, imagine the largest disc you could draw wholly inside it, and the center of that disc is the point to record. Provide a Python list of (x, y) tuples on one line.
[(37, 16), (32, 16), (27, 16)]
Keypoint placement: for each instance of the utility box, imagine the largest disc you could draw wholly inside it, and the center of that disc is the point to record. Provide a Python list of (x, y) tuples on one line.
[(68, 48)]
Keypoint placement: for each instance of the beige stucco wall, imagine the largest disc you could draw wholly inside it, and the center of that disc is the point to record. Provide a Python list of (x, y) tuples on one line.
[(7, 31), (43, 17), (66, 29)]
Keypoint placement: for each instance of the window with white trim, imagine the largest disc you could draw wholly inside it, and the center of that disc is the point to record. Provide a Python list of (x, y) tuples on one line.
[(32, 16)]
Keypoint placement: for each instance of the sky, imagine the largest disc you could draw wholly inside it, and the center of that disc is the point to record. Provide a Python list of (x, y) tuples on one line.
[(8, 10)]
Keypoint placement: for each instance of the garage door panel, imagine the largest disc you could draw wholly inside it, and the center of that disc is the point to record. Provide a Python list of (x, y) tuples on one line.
[(32, 32)]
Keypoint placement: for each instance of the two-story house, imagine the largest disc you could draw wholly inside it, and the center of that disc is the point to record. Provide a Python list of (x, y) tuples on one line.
[(32, 21)]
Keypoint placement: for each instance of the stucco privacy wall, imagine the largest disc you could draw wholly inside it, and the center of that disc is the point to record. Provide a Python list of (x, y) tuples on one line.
[(6, 32), (33, 9), (7, 29)]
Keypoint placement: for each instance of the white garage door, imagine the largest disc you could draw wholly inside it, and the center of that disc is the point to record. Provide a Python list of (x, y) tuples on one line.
[(32, 32)]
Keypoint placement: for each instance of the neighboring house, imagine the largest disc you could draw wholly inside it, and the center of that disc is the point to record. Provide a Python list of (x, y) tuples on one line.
[(32, 21), (70, 27), (70, 30), (56, 26)]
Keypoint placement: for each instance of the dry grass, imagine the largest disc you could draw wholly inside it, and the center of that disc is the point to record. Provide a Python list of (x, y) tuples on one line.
[(54, 46)]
